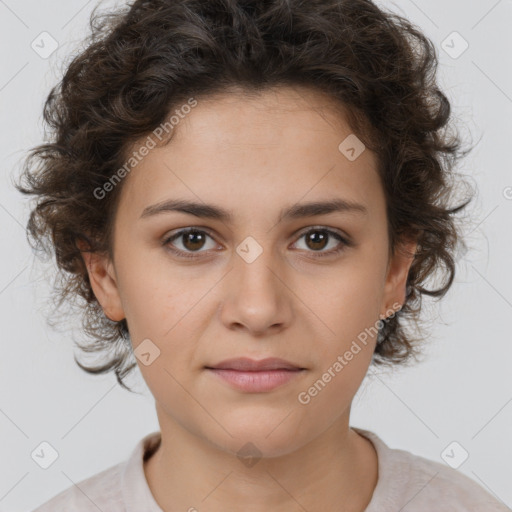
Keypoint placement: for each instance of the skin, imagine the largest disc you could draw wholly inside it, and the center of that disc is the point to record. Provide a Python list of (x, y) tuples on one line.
[(254, 156)]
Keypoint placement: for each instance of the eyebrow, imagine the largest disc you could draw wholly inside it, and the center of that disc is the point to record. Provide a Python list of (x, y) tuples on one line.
[(210, 211)]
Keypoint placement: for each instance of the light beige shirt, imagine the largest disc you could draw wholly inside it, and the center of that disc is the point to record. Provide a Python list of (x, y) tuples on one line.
[(406, 483)]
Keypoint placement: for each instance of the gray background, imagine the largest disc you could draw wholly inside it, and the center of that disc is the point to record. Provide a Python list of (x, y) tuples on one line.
[(463, 390)]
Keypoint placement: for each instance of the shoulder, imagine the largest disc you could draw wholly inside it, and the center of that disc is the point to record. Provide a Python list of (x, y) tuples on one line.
[(119, 488), (416, 484), (101, 491), (433, 484)]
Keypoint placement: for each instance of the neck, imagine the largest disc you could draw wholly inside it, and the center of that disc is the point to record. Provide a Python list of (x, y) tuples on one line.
[(335, 471)]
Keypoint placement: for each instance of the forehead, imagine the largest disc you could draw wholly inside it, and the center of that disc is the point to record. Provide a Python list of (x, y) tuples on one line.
[(272, 149)]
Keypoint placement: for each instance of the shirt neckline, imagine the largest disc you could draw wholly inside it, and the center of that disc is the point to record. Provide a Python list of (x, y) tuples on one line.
[(137, 494), (135, 489), (393, 475)]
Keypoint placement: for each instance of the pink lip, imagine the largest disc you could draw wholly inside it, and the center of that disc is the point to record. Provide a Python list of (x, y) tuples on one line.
[(256, 382), (246, 364), (256, 376)]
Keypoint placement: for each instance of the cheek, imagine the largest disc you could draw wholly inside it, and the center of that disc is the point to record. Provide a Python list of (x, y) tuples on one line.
[(157, 296), (330, 392), (172, 312), (342, 357), (350, 307), (349, 301)]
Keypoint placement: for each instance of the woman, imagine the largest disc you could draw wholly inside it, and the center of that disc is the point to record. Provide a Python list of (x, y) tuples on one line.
[(250, 197)]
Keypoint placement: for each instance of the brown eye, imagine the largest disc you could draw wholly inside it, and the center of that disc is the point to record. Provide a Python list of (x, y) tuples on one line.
[(317, 239), (191, 241)]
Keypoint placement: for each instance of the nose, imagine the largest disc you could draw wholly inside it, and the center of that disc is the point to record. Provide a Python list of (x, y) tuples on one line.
[(255, 295)]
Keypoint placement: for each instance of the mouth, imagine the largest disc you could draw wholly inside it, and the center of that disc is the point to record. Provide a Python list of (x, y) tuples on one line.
[(245, 364), (253, 376)]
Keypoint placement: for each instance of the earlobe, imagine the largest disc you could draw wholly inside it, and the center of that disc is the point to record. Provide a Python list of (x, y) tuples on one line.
[(104, 284)]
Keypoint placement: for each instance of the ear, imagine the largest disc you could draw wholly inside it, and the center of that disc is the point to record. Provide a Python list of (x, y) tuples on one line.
[(103, 282), (396, 279)]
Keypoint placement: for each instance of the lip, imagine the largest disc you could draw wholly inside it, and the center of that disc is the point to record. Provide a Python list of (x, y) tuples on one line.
[(246, 364), (253, 376)]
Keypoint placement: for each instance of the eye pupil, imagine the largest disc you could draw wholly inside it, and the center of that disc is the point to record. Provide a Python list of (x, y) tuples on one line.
[(317, 237), (193, 236)]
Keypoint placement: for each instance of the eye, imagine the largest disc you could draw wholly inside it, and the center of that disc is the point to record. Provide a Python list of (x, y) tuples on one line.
[(191, 239), (318, 238)]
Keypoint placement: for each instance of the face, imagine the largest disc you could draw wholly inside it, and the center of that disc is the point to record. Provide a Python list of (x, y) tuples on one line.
[(270, 280)]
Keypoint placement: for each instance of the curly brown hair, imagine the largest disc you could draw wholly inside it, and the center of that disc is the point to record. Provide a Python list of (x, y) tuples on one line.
[(142, 61)]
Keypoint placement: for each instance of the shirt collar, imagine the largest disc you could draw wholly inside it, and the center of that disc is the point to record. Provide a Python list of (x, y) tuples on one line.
[(137, 494), (393, 476), (134, 486)]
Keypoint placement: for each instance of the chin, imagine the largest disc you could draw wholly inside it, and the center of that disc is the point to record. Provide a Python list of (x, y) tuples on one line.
[(257, 434)]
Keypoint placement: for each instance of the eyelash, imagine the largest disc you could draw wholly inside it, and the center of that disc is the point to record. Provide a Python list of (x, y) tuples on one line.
[(187, 255)]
